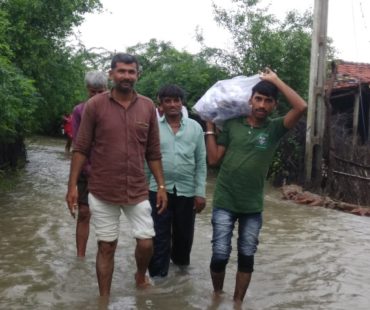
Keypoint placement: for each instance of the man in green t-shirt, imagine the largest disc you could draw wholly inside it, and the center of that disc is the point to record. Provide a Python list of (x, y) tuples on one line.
[(246, 147)]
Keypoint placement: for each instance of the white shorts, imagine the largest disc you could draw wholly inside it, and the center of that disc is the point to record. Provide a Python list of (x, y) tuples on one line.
[(106, 216)]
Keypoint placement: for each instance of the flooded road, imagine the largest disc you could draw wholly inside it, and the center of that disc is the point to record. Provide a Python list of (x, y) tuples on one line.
[(309, 257)]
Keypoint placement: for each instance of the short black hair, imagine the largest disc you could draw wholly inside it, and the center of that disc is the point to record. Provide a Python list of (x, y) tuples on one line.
[(171, 91), (124, 58), (266, 88)]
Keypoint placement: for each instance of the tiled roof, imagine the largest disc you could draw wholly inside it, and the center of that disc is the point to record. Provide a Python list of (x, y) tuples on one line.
[(351, 74)]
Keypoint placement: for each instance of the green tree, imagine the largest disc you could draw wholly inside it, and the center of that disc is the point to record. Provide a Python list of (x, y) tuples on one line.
[(19, 99), (37, 35), (259, 39), (40, 76), (18, 96), (162, 64)]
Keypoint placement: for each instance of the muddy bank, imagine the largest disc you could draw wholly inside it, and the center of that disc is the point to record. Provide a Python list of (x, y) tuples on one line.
[(298, 195)]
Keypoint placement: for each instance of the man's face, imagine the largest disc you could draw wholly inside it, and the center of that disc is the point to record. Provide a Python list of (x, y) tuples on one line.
[(171, 106), (262, 105), (92, 91), (124, 76)]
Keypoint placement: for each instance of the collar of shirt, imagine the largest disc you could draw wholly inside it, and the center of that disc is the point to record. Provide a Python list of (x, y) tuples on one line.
[(162, 119), (133, 100), (263, 125)]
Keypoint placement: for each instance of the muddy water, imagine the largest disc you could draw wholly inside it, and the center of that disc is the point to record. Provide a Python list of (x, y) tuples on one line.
[(309, 258)]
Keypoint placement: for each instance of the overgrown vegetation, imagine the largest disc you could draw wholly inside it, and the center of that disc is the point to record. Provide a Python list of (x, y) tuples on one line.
[(163, 64), (42, 76)]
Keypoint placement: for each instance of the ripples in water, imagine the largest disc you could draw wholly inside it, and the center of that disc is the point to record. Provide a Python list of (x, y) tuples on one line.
[(308, 258)]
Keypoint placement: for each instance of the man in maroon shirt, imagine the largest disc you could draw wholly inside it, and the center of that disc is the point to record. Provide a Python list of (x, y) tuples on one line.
[(119, 131)]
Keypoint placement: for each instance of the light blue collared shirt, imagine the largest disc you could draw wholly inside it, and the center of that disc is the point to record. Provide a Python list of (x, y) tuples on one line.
[(183, 158)]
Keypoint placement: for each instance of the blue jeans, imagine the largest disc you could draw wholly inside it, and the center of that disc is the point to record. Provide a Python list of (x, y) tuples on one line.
[(223, 223)]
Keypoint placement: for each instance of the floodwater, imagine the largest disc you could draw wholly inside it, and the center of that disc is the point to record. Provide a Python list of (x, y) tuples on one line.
[(308, 258)]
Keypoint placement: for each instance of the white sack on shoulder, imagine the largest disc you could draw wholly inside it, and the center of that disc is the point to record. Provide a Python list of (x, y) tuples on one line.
[(226, 99)]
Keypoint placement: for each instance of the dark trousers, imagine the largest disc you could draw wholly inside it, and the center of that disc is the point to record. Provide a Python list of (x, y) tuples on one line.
[(174, 232)]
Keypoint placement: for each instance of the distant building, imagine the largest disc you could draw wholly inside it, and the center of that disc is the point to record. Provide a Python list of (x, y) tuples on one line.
[(350, 94), (347, 165)]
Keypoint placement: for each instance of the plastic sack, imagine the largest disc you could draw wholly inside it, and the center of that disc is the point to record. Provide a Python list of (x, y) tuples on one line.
[(226, 99)]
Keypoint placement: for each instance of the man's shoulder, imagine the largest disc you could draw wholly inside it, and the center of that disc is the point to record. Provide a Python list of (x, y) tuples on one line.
[(193, 124), (97, 100), (78, 107), (231, 121), (276, 121), (145, 104), (145, 99), (235, 119), (276, 126)]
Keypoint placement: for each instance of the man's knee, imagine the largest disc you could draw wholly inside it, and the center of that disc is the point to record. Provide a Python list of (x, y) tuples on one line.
[(218, 265), (107, 248), (245, 263), (145, 244)]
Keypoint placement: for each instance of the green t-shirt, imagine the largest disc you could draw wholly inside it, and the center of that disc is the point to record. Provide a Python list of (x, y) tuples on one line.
[(249, 152)]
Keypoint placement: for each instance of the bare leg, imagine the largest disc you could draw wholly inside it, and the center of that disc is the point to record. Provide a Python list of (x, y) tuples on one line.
[(68, 145), (143, 254), (82, 229), (218, 282), (105, 265), (241, 285)]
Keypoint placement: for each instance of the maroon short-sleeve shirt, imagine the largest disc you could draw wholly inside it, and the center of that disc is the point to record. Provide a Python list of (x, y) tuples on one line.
[(119, 141)]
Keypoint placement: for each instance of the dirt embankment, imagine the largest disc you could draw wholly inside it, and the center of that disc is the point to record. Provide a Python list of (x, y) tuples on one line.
[(296, 194)]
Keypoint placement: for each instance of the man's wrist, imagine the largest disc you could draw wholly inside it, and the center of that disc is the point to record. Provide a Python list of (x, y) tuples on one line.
[(72, 184), (209, 132), (161, 187)]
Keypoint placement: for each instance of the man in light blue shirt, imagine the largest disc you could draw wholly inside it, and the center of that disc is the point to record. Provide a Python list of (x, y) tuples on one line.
[(184, 165)]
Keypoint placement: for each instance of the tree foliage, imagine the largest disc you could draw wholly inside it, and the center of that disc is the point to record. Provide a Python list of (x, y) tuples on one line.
[(259, 39), (33, 35), (41, 77), (18, 98), (162, 64)]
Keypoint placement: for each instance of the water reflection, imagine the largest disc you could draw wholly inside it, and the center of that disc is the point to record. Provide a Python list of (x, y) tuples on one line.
[(309, 258)]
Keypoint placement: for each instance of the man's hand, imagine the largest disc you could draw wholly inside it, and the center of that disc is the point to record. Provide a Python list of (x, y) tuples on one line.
[(199, 204), (161, 200), (268, 75), (72, 198), (299, 106)]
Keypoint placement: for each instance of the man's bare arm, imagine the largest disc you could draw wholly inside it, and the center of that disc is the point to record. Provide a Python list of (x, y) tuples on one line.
[(215, 152), (77, 162), (299, 106), (155, 167)]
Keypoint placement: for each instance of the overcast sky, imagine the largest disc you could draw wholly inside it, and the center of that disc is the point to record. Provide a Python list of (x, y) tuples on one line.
[(126, 23)]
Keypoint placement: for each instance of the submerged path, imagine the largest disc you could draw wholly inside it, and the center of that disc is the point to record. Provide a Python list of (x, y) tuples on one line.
[(309, 258)]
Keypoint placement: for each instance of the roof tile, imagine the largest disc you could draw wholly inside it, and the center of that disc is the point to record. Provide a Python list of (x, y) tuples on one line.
[(351, 74)]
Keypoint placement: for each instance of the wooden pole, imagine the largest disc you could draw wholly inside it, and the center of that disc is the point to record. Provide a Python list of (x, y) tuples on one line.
[(316, 96), (356, 114)]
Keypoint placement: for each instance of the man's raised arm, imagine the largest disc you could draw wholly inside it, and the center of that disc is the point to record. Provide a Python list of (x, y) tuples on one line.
[(299, 106)]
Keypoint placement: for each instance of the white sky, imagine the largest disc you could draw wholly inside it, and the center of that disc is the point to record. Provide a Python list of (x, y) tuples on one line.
[(126, 23)]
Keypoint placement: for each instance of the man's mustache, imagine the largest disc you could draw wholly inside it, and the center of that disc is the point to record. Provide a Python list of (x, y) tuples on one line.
[(126, 81)]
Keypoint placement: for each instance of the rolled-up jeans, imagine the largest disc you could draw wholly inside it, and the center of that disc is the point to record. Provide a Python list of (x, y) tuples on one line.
[(223, 223)]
